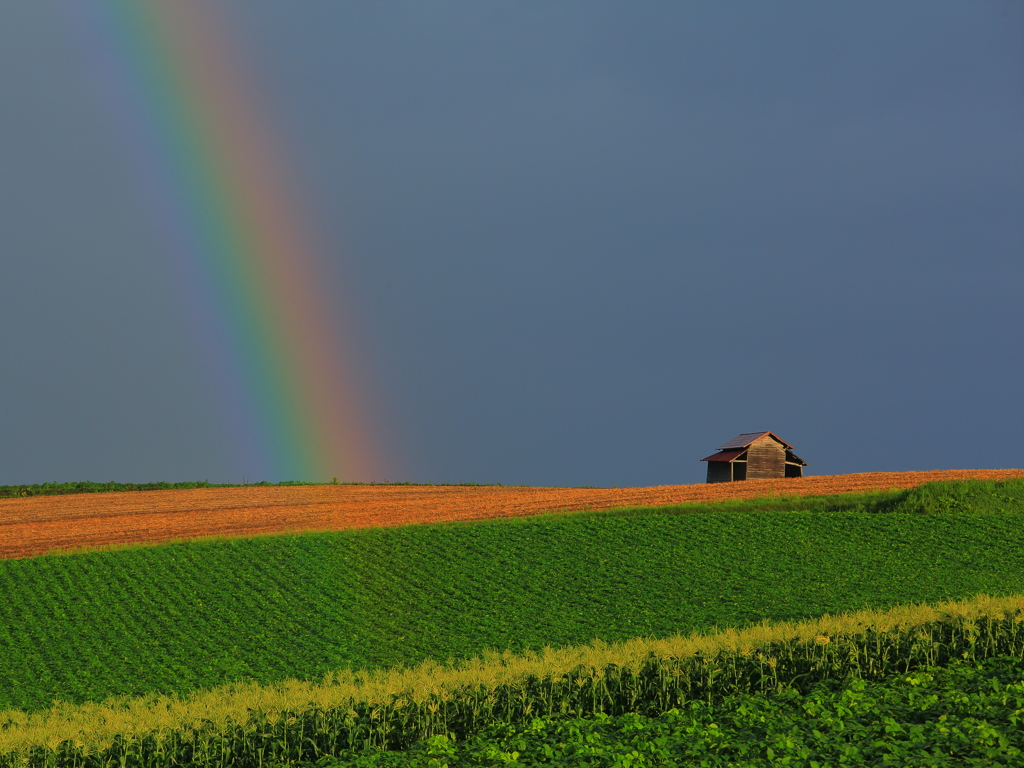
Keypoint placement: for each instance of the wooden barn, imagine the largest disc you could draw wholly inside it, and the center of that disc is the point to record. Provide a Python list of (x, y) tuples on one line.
[(754, 456)]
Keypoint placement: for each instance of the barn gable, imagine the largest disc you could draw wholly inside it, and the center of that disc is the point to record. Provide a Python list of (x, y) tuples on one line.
[(754, 456)]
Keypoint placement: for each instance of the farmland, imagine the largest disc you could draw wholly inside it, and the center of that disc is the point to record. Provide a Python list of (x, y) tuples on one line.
[(827, 684), (584, 605), (927, 717), (30, 526), (190, 616)]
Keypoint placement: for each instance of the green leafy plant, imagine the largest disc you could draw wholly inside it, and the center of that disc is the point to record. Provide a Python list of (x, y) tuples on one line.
[(195, 615), (873, 682)]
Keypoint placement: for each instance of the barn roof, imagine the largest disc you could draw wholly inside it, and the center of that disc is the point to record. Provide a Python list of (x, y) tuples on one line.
[(792, 458), (742, 441), (725, 455)]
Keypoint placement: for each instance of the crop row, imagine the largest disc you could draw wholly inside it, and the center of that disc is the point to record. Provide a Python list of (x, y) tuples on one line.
[(85, 486), (772, 664), (182, 617), (966, 714)]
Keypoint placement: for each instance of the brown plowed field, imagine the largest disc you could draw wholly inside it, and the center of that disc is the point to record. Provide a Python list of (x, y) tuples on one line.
[(32, 526)]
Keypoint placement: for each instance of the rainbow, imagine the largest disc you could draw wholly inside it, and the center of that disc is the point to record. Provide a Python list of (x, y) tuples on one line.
[(250, 271)]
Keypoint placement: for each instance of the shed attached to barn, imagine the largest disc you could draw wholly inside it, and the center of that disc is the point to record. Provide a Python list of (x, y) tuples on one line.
[(754, 456)]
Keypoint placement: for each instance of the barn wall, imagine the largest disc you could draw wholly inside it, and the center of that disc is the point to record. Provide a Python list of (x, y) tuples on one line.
[(766, 459), (719, 472)]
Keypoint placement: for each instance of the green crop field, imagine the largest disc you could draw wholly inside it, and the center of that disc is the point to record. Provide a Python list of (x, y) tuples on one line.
[(64, 489), (966, 714), (766, 693), (192, 616)]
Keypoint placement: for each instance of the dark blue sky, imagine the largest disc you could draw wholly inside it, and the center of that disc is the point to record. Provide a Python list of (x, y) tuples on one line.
[(586, 242)]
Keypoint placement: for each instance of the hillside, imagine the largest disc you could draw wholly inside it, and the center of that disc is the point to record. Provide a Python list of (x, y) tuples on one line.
[(183, 616), (31, 526)]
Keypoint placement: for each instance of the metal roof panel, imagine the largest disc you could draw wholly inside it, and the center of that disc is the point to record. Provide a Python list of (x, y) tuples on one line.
[(792, 457), (724, 455), (742, 441)]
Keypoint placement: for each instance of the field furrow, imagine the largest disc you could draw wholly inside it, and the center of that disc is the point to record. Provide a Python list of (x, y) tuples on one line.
[(32, 526)]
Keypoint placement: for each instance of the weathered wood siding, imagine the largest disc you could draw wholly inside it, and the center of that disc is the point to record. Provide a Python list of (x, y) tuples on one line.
[(719, 472), (766, 459)]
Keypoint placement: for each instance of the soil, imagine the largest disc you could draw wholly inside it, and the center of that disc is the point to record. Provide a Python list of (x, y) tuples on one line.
[(37, 525)]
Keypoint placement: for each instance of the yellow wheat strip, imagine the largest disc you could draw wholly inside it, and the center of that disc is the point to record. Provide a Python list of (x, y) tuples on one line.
[(94, 725)]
